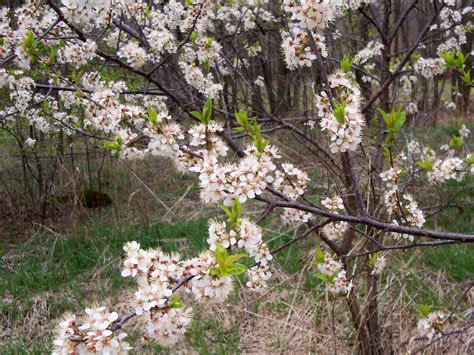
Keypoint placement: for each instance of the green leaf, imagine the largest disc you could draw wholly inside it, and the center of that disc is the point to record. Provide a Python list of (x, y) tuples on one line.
[(234, 213), (111, 145), (204, 116), (339, 111), (346, 63), (77, 75), (176, 302), (29, 41), (207, 110), (459, 62), (227, 263), (454, 60), (470, 159), (242, 119), (148, 13), (400, 118), (233, 258), (227, 211), (234, 270), (318, 257), (52, 55), (220, 254), (427, 165), (236, 210), (215, 271), (45, 106), (229, 269), (198, 115), (456, 142), (394, 122), (253, 128), (327, 278), (373, 259), (206, 64), (449, 58), (239, 130), (208, 43), (152, 115), (385, 117), (424, 309), (466, 77)]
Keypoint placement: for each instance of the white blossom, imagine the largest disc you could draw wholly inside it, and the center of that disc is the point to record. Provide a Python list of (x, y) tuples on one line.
[(344, 135), (432, 324)]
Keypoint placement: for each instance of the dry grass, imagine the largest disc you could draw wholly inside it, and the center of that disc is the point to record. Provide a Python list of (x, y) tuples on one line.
[(289, 317), (293, 316), (290, 320)]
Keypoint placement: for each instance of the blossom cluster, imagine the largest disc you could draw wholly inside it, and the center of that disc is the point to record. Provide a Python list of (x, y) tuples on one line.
[(371, 50), (296, 48), (345, 127), (352, 4), (407, 83), (203, 83), (245, 235), (138, 124), (378, 265), (432, 324), (333, 204), (455, 33), (292, 216), (243, 180), (310, 14), (400, 204), (92, 336), (158, 276), (430, 67), (334, 230), (290, 181), (448, 168), (334, 274), (454, 24), (161, 26), (77, 54), (441, 169), (309, 18)]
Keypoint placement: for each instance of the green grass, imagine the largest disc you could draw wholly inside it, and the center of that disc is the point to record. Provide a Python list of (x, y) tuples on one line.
[(205, 336), (22, 348), (203, 333), (456, 260), (59, 270), (291, 259), (47, 262), (49, 274)]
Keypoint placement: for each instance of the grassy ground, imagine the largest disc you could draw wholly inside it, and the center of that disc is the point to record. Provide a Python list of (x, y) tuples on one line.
[(54, 273), (47, 273)]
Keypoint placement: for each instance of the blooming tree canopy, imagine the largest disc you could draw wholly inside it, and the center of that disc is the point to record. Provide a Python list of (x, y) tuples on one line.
[(193, 81)]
